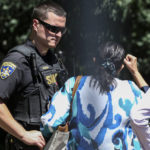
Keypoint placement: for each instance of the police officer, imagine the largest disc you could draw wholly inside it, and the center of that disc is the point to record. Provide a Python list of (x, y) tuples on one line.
[(29, 77)]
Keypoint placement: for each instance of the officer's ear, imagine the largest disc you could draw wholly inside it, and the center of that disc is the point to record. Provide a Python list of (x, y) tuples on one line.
[(35, 24)]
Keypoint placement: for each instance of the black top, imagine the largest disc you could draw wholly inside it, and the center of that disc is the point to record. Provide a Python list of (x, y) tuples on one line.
[(15, 73)]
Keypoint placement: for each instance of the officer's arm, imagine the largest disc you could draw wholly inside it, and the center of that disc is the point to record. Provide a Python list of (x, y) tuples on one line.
[(9, 124)]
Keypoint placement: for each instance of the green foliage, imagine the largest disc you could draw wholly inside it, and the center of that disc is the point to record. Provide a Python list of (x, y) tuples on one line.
[(14, 22), (137, 13), (89, 23)]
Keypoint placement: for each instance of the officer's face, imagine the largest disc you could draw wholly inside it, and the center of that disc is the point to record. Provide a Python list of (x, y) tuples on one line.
[(50, 31)]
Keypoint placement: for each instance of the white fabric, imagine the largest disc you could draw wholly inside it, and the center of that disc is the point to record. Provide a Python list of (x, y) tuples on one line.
[(140, 116), (99, 121)]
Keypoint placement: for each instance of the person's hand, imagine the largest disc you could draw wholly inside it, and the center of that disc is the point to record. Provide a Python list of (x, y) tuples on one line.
[(131, 63), (33, 138)]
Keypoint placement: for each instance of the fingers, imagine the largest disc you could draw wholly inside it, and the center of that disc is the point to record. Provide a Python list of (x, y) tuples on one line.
[(126, 61), (130, 58), (40, 145), (34, 138), (40, 142), (131, 63)]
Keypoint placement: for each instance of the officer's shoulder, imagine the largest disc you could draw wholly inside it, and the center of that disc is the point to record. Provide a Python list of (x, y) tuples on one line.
[(15, 57)]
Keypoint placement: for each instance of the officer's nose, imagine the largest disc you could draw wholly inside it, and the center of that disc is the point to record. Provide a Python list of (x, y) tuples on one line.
[(59, 34)]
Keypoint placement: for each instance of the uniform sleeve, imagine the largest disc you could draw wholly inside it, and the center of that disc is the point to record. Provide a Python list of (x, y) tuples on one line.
[(59, 108), (140, 116), (10, 77)]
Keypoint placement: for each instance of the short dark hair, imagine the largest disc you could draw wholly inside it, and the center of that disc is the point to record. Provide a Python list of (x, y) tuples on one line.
[(108, 60), (41, 10)]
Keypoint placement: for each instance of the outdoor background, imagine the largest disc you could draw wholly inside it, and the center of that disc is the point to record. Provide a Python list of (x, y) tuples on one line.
[(89, 23)]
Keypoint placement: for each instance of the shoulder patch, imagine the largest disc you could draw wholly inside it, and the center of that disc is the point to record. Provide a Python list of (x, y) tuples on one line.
[(7, 69)]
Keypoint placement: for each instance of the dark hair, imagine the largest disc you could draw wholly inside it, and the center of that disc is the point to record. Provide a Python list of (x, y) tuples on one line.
[(108, 61), (43, 8)]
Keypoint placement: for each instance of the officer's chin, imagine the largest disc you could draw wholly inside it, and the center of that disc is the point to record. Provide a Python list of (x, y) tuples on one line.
[(52, 45)]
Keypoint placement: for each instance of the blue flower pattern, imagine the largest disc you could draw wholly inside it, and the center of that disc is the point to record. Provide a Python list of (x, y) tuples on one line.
[(115, 126)]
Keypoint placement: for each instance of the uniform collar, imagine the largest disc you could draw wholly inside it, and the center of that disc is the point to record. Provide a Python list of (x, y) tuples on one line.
[(49, 58)]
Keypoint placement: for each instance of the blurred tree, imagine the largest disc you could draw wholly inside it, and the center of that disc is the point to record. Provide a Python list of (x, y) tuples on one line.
[(136, 22), (89, 23)]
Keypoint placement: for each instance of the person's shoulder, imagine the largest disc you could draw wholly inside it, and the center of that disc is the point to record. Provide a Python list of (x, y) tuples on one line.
[(15, 57), (128, 90), (73, 78), (70, 81), (16, 60), (128, 84), (120, 81), (69, 84)]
